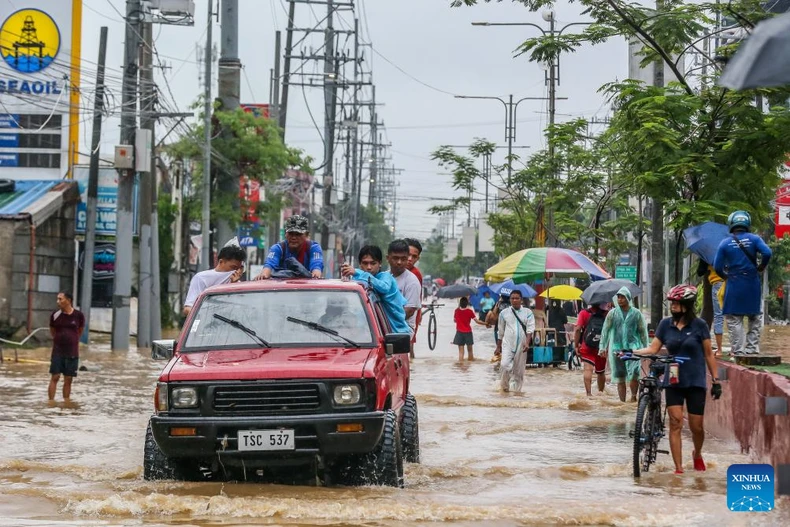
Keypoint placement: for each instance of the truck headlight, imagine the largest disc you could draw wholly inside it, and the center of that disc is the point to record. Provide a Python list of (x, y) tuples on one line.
[(184, 397), (346, 394)]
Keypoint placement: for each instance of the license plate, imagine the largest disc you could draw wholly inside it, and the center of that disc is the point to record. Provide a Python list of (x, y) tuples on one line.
[(266, 440)]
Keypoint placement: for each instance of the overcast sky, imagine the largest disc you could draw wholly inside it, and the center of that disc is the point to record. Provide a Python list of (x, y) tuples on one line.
[(427, 40)]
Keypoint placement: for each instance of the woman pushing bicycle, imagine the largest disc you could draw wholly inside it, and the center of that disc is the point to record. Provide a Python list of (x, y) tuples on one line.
[(686, 336)]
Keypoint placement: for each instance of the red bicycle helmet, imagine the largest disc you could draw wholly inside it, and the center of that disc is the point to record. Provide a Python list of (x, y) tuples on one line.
[(682, 293)]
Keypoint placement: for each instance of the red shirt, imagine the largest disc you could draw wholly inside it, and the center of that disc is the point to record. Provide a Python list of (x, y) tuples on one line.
[(463, 320), (68, 329)]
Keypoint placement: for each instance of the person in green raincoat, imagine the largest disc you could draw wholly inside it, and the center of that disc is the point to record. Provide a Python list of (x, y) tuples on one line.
[(624, 328)]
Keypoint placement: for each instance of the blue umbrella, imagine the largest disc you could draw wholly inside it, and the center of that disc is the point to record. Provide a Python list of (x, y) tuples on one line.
[(703, 240), (506, 287)]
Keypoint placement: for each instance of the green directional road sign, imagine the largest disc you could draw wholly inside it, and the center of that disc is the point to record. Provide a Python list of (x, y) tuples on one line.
[(625, 272)]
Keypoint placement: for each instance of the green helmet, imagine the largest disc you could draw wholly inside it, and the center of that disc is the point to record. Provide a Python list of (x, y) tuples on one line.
[(739, 219)]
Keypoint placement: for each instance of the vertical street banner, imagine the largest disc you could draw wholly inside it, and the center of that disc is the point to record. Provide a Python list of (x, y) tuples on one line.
[(39, 88), (468, 245), (450, 249), (249, 197), (485, 236), (782, 218)]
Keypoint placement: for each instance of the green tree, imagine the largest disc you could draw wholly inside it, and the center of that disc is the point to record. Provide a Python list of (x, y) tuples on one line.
[(243, 144), (167, 216), (694, 146), (575, 180)]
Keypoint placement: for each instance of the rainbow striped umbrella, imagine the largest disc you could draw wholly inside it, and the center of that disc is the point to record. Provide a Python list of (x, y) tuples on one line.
[(542, 262)]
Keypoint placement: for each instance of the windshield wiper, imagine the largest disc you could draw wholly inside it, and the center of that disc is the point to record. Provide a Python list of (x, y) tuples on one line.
[(238, 325), (322, 329)]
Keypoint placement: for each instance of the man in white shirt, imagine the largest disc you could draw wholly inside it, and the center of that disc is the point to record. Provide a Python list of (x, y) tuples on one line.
[(515, 328), (230, 267), (408, 284)]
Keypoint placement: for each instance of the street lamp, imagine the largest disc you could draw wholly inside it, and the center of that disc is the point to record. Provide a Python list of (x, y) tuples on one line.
[(553, 67), (511, 109)]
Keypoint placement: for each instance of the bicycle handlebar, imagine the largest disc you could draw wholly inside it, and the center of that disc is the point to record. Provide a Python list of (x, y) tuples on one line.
[(657, 358), (432, 305)]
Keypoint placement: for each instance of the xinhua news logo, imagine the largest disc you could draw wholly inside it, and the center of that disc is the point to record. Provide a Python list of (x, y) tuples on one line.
[(750, 488)]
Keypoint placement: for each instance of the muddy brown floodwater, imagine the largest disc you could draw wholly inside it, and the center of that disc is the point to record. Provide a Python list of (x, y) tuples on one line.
[(548, 457)]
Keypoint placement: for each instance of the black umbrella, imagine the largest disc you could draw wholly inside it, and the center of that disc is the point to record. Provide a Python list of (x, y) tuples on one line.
[(604, 290), (763, 60), (456, 291)]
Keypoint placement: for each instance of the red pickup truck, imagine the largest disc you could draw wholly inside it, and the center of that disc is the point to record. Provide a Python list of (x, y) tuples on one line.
[(271, 376)]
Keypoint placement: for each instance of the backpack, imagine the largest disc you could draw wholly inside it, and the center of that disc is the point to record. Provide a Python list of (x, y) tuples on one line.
[(593, 329)]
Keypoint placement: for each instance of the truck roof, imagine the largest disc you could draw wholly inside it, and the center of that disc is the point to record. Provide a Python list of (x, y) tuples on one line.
[(275, 284)]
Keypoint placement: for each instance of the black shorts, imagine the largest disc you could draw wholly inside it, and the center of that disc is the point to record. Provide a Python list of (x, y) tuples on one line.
[(463, 339), (693, 396), (66, 365)]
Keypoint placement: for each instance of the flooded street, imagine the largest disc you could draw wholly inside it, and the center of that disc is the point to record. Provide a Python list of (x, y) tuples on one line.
[(550, 456)]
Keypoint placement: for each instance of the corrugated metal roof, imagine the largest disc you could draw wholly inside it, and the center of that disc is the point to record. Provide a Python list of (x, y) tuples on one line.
[(27, 192)]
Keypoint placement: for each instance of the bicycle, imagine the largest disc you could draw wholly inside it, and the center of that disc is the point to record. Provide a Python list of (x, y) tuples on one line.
[(650, 420), (431, 323)]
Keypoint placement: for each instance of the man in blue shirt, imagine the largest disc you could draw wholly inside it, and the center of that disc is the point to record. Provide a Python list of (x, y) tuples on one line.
[(296, 245), (736, 262), (392, 301)]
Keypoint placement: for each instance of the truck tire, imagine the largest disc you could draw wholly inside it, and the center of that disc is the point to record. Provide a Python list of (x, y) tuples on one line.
[(383, 466), (7, 185), (385, 463), (156, 465), (410, 431)]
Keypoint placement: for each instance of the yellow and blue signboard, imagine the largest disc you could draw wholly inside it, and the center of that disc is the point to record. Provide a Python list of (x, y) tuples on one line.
[(39, 88), (29, 40)]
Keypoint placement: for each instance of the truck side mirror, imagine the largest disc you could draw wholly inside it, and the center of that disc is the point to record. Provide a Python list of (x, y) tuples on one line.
[(162, 349), (398, 343)]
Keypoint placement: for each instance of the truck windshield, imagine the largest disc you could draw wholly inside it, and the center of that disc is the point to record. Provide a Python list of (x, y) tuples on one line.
[(267, 313)]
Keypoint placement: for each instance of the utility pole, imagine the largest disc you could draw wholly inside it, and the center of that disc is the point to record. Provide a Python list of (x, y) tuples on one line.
[(374, 154), (145, 207), (657, 255), (329, 121), (548, 233), (205, 253), (229, 92), (356, 181), (86, 296), (122, 288), (273, 231), (282, 109)]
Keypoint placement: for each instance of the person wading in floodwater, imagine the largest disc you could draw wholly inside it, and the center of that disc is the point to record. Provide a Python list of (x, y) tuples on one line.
[(515, 328), (65, 325)]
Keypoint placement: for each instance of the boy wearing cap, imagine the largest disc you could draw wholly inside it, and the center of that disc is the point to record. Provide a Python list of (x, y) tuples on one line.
[(297, 245)]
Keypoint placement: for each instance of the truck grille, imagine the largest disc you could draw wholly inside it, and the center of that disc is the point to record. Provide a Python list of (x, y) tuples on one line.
[(267, 399)]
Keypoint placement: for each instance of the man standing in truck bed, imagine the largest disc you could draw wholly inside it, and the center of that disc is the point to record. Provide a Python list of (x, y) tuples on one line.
[(297, 245), (408, 285)]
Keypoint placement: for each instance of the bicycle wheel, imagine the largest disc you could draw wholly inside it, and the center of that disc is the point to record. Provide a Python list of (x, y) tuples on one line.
[(645, 440), (432, 331)]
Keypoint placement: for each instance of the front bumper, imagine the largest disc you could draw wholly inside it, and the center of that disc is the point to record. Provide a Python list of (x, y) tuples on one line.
[(314, 434)]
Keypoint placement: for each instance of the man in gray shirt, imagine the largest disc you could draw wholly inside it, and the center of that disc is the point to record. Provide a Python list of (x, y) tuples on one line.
[(408, 284)]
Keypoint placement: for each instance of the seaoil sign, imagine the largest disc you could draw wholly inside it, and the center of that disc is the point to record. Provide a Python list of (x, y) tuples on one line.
[(29, 43)]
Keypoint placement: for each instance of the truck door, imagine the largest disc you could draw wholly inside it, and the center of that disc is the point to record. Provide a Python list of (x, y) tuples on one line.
[(397, 365)]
